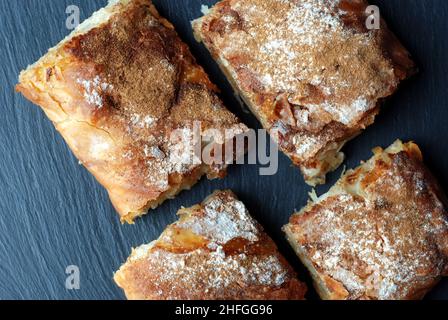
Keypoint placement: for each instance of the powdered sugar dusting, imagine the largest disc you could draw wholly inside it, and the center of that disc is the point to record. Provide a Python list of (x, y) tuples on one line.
[(306, 145), (306, 51), (363, 254), (347, 115), (318, 20), (180, 152), (281, 35), (175, 154), (381, 245), (142, 122), (211, 271), (93, 90), (224, 219)]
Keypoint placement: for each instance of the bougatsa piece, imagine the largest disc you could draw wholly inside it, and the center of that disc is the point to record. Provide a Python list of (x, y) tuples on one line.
[(125, 93), (215, 251), (380, 233), (310, 70)]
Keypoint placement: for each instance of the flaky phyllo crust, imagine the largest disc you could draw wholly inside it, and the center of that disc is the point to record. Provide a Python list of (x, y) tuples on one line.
[(310, 70), (380, 233), (117, 89), (216, 251)]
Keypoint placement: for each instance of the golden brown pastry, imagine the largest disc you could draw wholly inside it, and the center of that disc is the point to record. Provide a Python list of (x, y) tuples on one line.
[(380, 233), (125, 93), (215, 251), (310, 70)]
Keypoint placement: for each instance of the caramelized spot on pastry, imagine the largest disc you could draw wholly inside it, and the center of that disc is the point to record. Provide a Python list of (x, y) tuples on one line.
[(380, 233), (239, 260), (316, 56), (125, 93)]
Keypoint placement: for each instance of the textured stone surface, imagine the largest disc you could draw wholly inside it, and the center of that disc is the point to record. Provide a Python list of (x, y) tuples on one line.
[(53, 213)]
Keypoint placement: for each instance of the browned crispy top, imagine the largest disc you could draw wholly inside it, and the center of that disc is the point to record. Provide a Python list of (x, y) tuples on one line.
[(380, 233), (151, 71), (310, 68), (215, 251), (125, 95)]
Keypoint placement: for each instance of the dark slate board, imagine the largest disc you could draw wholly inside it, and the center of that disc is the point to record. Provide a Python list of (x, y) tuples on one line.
[(54, 214)]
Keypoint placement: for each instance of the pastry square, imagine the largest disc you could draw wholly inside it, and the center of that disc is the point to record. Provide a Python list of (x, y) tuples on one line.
[(310, 70), (380, 233), (216, 251), (127, 95)]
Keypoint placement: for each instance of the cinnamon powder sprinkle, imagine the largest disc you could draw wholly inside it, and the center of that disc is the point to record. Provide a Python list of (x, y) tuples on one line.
[(308, 67)]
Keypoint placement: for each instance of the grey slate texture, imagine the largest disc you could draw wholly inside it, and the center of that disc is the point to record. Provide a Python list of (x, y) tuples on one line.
[(53, 213)]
